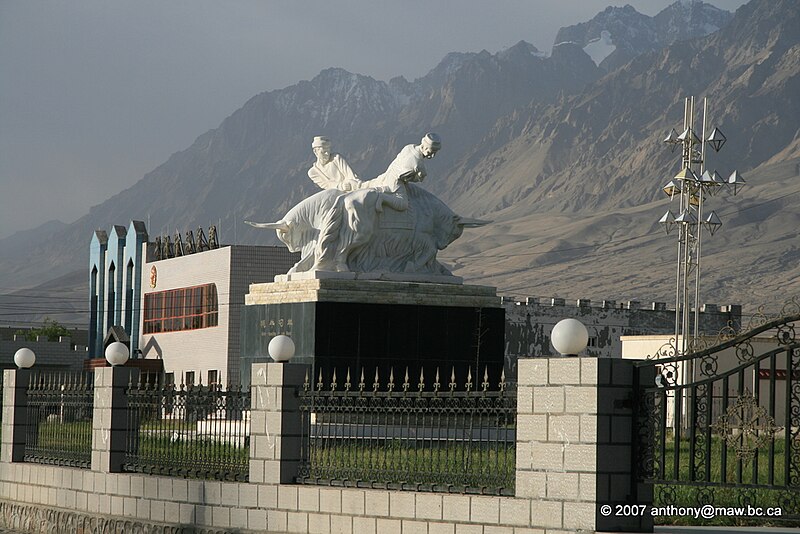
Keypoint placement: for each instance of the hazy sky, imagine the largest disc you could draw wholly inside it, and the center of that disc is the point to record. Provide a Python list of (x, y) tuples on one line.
[(96, 93)]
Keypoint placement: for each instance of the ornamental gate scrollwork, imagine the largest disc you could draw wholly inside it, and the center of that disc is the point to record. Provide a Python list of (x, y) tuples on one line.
[(721, 424)]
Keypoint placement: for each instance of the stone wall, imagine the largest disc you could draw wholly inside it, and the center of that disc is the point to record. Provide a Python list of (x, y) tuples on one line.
[(572, 413), (62, 354), (530, 322)]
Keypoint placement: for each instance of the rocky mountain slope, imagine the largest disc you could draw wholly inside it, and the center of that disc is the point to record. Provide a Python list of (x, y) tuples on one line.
[(586, 176), (565, 157), (618, 34)]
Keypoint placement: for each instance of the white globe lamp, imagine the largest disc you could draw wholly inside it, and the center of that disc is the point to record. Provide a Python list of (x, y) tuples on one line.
[(24, 358), (117, 353), (569, 337), (281, 348)]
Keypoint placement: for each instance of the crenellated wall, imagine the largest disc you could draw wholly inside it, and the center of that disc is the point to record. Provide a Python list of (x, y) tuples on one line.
[(530, 322), (60, 354)]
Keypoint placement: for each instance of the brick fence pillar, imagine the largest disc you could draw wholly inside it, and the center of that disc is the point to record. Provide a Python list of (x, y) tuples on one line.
[(110, 420), (15, 420), (575, 433), (275, 423)]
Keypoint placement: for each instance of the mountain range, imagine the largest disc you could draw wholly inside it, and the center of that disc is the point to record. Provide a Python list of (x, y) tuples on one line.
[(563, 152), (626, 33)]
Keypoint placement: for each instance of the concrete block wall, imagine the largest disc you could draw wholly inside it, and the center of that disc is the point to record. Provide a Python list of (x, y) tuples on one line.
[(266, 507), (574, 443), (110, 417), (15, 386), (275, 422), (573, 439)]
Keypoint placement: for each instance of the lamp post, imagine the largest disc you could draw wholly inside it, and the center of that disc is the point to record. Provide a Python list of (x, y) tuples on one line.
[(569, 337), (281, 348), (692, 186), (117, 354), (24, 358)]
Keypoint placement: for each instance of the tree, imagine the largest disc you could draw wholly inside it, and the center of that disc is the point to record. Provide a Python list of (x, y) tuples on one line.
[(50, 329)]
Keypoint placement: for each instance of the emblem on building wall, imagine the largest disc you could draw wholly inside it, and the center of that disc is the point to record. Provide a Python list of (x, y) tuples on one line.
[(153, 276)]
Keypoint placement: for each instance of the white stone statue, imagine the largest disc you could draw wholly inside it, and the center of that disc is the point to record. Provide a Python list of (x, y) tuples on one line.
[(331, 171), (384, 225)]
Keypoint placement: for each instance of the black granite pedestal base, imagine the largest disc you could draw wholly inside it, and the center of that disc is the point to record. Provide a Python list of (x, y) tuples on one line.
[(368, 336)]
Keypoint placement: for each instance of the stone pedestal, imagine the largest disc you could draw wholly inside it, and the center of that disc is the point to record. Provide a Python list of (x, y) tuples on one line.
[(368, 324)]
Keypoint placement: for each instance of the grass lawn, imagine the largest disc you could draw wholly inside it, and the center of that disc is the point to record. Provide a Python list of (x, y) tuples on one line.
[(394, 461), (62, 443), (741, 476)]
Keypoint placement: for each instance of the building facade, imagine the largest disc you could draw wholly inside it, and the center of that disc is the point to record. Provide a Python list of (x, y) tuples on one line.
[(190, 308), (176, 300), (114, 283)]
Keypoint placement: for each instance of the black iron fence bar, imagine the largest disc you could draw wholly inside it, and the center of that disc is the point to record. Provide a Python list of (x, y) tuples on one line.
[(748, 426), (787, 444), (434, 440), (677, 410), (692, 433), (662, 424), (59, 415), (716, 485), (773, 361), (188, 431), (724, 451), (709, 415), (757, 395), (739, 460), (724, 345)]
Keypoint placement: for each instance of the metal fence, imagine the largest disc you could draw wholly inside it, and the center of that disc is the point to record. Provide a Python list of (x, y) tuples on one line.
[(728, 437), (448, 437), (59, 416), (190, 431)]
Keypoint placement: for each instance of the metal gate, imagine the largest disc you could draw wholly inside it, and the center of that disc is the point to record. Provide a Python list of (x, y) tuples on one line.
[(720, 427)]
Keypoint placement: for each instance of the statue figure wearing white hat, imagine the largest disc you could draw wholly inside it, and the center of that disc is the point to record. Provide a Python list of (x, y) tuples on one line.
[(385, 225), (331, 171), (353, 220)]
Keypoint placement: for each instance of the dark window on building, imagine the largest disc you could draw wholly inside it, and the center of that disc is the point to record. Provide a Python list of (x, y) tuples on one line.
[(213, 378), (189, 378), (187, 308), (112, 306), (129, 305)]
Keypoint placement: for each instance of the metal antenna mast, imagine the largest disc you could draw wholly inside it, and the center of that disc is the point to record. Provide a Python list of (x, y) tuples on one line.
[(692, 186)]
